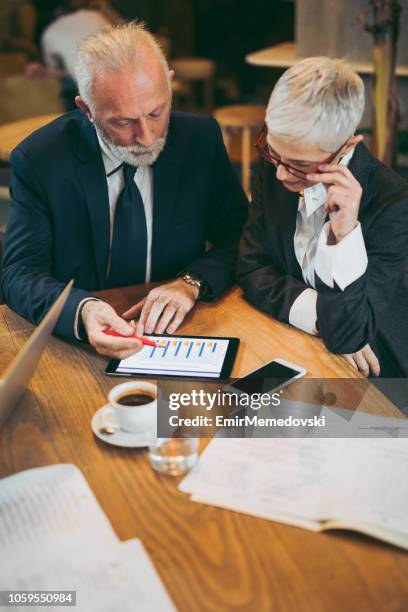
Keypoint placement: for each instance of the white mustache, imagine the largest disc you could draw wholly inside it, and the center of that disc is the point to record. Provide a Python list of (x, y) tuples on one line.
[(139, 148), (132, 154)]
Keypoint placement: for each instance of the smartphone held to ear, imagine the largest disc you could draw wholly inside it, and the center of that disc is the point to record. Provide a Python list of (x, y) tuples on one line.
[(271, 377)]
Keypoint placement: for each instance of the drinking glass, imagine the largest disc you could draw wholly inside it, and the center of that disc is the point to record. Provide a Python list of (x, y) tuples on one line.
[(173, 456)]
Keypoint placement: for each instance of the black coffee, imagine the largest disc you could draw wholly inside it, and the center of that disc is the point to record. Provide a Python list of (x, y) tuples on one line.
[(135, 398)]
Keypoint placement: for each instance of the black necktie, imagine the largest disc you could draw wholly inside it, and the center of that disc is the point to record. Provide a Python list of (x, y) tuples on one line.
[(129, 240)]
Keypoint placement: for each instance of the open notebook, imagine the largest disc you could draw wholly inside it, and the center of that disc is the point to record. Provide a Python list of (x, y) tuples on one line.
[(317, 484)]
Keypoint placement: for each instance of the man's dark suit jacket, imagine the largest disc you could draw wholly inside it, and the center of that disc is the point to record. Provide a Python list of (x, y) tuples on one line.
[(271, 277), (58, 226)]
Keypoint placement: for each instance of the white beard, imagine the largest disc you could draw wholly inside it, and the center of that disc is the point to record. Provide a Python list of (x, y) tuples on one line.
[(146, 156)]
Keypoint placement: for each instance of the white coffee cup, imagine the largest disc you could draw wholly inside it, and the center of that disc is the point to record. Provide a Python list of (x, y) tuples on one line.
[(139, 418)]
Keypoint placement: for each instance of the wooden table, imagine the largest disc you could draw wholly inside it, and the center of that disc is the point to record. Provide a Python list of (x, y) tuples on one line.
[(11, 134), (285, 55), (210, 559)]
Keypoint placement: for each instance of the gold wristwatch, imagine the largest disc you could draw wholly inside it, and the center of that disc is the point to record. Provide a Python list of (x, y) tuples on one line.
[(195, 281)]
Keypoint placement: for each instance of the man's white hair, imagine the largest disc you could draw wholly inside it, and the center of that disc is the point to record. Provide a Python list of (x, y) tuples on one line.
[(113, 49), (318, 101)]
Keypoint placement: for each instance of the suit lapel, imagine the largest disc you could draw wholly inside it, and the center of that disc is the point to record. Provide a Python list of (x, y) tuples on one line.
[(287, 214), (91, 173), (165, 179), (361, 164)]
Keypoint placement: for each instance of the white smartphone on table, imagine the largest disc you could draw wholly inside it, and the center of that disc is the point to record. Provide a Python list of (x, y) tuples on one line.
[(276, 374)]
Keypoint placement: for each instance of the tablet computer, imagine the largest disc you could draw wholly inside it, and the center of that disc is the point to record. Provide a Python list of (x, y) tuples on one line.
[(180, 357)]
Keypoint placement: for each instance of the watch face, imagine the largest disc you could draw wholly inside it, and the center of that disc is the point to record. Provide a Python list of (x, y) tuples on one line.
[(192, 280)]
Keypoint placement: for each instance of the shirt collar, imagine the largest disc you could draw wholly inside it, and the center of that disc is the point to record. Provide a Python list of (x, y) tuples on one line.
[(110, 162), (315, 196)]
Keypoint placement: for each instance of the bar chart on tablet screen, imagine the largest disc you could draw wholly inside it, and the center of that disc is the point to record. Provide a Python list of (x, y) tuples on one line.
[(191, 356)]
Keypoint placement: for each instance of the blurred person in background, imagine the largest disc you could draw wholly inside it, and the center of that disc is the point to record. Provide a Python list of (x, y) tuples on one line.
[(74, 19)]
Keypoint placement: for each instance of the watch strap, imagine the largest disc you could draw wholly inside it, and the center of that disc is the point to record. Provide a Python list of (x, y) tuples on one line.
[(195, 280)]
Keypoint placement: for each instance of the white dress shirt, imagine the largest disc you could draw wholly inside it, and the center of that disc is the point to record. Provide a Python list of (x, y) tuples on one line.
[(115, 183), (342, 263)]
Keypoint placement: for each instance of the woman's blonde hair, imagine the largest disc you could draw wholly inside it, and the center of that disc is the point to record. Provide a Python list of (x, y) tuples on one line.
[(318, 101)]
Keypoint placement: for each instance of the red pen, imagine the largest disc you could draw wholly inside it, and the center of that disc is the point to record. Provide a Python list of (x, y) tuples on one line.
[(110, 332)]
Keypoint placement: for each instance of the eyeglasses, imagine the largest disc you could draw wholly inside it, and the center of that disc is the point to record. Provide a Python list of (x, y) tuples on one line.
[(264, 150)]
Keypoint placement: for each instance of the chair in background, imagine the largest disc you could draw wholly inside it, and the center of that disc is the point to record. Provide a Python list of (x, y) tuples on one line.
[(18, 21), (21, 98), (193, 70), (247, 119), (181, 94)]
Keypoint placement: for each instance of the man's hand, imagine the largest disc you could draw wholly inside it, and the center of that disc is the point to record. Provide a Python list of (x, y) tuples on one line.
[(98, 316), (343, 201), (365, 361), (164, 308), (34, 70)]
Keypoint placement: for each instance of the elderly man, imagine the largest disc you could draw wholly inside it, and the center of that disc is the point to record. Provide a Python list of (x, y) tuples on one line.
[(121, 192), (326, 241)]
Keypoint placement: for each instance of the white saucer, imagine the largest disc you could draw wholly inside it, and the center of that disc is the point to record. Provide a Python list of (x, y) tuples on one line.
[(106, 416)]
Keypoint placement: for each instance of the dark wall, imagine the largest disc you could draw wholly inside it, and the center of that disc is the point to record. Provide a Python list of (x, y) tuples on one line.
[(227, 30)]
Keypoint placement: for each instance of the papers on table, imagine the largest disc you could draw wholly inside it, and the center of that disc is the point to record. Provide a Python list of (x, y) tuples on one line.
[(262, 477), (332, 422), (305, 482), (55, 536)]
